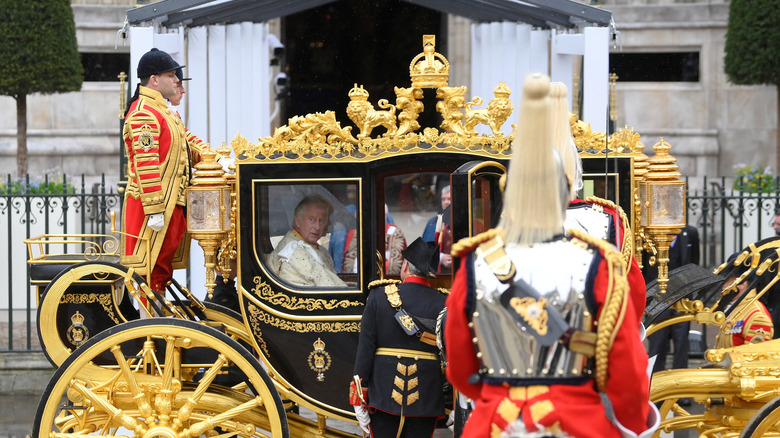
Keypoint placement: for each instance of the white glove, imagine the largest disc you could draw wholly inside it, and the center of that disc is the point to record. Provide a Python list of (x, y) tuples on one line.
[(156, 221), (226, 162), (451, 421), (363, 418)]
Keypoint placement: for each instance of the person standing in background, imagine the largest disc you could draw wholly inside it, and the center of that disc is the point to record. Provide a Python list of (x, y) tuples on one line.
[(397, 387), (684, 250)]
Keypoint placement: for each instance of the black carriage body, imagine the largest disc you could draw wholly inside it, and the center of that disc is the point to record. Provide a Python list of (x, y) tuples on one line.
[(308, 336)]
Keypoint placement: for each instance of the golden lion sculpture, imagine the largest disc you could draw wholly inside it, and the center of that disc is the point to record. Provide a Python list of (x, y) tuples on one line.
[(363, 114)]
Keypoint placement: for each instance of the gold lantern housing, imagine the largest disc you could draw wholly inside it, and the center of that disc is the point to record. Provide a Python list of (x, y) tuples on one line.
[(662, 207), (208, 211)]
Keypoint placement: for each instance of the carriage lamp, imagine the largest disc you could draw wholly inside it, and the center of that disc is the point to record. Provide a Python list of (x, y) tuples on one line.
[(208, 211), (227, 249), (662, 207), (640, 170)]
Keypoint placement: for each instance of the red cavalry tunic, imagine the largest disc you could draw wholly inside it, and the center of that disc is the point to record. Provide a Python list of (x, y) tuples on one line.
[(575, 409)]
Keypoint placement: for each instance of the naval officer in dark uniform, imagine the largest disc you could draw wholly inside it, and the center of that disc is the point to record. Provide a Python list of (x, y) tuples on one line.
[(397, 389)]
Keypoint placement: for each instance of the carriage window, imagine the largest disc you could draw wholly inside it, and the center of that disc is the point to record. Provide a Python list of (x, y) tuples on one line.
[(307, 234), (416, 205), (485, 203), (600, 185)]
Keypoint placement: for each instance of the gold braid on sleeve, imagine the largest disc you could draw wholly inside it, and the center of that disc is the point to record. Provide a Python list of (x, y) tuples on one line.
[(615, 303)]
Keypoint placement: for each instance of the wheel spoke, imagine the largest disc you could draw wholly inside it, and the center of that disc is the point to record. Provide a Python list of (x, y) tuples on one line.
[(166, 388), (186, 410), (163, 402), (126, 420), (138, 396), (208, 424)]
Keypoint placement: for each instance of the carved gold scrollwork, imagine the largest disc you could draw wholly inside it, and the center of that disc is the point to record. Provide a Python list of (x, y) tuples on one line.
[(264, 292), (257, 316), (253, 310), (589, 143), (103, 299), (320, 135), (408, 102)]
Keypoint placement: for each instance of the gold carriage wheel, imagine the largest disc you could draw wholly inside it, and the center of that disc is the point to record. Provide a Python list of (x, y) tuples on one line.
[(765, 423), (164, 384), (49, 336)]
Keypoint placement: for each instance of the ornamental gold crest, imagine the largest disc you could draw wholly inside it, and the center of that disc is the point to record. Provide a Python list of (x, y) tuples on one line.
[(145, 138), (77, 332), (319, 360)]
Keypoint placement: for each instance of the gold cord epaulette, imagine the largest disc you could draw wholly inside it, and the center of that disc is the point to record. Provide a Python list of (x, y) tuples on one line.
[(627, 247), (615, 303), (466, 244), (382, 282), (391, 290), (445, 291)]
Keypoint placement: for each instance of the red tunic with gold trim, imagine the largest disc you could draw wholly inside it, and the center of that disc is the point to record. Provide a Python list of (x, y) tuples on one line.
[(160, 151), (518, 383), (606, 220), (748, 323)]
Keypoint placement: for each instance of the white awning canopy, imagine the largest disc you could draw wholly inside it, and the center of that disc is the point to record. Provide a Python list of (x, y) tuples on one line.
[(539, 13)]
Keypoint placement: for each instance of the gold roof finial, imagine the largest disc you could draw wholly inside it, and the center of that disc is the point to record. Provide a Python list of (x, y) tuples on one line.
[(429, 69)]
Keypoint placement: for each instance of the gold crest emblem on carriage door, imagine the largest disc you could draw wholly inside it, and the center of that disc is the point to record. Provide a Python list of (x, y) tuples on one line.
[(77, 332), (319, 360), (145, 138)]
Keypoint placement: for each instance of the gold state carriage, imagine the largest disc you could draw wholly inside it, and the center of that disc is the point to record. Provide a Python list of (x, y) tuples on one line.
[(132, 362)]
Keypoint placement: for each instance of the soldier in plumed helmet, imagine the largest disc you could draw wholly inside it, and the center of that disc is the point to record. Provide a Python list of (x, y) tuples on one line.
[(540, 329)]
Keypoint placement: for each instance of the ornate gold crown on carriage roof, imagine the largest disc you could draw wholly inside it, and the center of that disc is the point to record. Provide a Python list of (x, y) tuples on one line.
[(429, 69), (320, 136)]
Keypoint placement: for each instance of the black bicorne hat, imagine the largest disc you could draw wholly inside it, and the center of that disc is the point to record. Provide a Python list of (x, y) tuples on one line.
[(423, 255), (155, 62)]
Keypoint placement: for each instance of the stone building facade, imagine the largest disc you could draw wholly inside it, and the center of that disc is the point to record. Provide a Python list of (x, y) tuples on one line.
[(711, 124), (73, 133)]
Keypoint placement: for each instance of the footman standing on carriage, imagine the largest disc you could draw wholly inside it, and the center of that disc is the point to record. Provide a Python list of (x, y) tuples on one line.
[(158, 170), (540, 330), (397, 390)]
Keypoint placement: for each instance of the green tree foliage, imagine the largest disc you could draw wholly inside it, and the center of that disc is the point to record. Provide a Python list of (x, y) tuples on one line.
[(39, 54), (753, 42), (753, 46)]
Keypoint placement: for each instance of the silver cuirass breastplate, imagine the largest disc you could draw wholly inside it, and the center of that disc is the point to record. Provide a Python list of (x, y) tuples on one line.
[(591, 219), (557, 271)]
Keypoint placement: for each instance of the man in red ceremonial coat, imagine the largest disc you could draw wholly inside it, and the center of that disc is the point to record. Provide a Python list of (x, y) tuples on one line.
[(541, 332), (159, 160)]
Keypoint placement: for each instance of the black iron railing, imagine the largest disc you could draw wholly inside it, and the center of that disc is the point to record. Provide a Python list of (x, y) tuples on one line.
[(727, 217), (28, 208)]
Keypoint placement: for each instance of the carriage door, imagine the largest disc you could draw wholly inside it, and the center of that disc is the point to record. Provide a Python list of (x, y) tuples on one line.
[(476, 198)]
